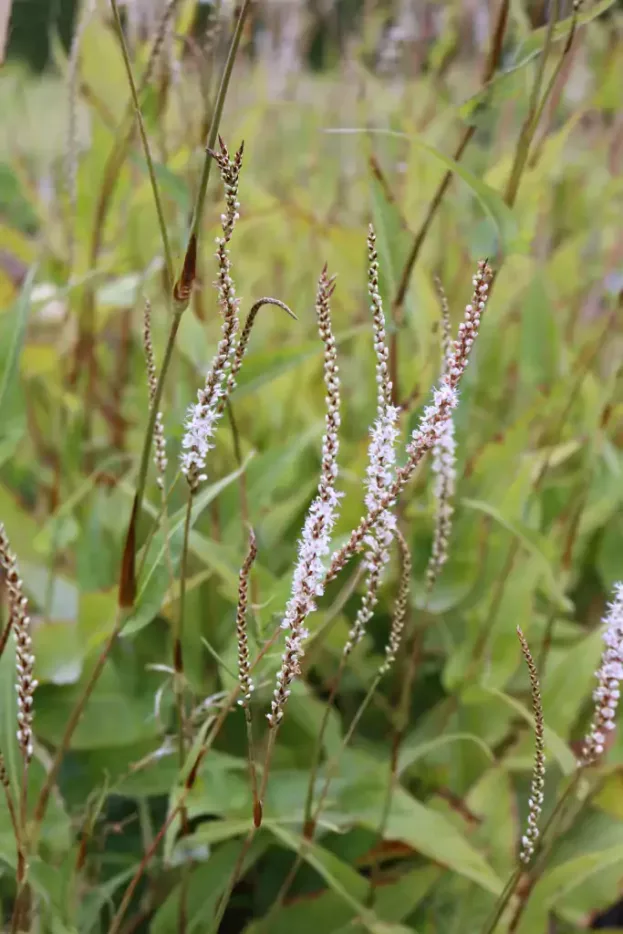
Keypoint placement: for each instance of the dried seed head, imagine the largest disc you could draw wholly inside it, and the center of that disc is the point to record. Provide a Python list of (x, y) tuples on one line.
[(309, 573), (160, 445), (609, 675), (24, 658), (535, 802)]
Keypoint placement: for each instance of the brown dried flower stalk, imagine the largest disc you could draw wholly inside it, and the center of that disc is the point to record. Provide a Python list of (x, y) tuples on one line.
[(24, 659), (535, 802), (160, 445)]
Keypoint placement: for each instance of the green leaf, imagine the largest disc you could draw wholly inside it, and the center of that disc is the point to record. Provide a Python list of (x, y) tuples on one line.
[(208, 880), (154, 582), (559, 749), (10, 353), (562, 880), (570, 677), (341, 878), (532, 543), (393, 243), (414, 748), (490, 200)]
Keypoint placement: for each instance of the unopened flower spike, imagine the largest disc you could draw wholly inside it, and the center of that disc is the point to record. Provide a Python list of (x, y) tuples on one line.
[(535, 802), (314, 545), (160, 446), (609, 676), (401, 605), (19, 620), (244, 665)]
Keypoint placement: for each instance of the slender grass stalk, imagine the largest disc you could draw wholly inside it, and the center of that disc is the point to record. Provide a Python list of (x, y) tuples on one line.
[(162, 224), (179, 687), (529, 125)]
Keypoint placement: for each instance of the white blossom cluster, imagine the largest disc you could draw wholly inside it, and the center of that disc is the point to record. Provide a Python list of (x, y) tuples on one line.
[(314, 546), (205, 413), (433, 422), (609, 674), (380, 473)]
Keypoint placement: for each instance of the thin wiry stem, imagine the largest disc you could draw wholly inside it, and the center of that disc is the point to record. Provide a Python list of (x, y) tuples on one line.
[(162, 224), (216, 119), (71, 156)]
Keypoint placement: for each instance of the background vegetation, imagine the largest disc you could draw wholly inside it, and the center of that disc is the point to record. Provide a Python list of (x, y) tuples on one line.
[(346, 117)]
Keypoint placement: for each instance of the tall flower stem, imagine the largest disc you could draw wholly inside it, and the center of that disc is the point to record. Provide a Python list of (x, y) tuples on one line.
[(168, 256), (181, 299)]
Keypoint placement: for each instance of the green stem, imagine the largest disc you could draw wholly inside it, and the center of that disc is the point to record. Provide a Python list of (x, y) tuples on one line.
[(148, 157), (216, 119)]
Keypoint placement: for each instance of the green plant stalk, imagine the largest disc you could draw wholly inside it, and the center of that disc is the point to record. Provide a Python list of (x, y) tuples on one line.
[(235, 873), (72, 723), (528, 128), (310, 828), (148, 157), (178, 688), (491, 64), (216, 118), (317, 753), (129, 892), (203, 751)]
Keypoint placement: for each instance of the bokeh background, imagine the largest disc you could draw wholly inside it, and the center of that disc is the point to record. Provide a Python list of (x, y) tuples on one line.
[(351, 111)]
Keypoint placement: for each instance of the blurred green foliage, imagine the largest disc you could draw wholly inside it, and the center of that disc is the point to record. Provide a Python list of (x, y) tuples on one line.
[(538, 533)]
